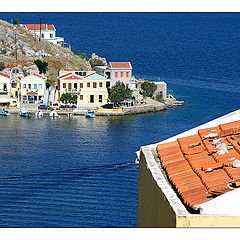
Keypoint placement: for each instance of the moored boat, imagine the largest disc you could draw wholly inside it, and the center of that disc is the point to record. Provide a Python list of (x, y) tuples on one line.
[(24, 113), (4, 113), (90, 114), (39, 114), (53, 114)]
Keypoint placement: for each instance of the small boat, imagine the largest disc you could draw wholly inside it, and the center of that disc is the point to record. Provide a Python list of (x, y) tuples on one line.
[(90, 114), (5, 113), (24, 113), (39, 114), (53, 114)]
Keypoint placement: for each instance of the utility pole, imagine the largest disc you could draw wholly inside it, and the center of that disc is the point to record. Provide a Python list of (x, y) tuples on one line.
[(15, 33), (40, 29)]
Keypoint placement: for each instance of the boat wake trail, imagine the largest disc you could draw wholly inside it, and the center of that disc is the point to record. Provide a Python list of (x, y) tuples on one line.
[(77, 171)]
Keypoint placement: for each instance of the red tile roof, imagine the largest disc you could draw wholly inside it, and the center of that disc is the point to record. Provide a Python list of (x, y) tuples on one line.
[(17, 64), (37, 26), (196, 167), (120, 65), (72, 76), (4, 75), (38, 76), (64, 75)]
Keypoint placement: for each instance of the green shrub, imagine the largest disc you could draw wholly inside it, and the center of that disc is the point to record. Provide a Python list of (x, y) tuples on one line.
[(68, 98), (148, 88), (42, 66), (119, 93), (16, 22), (159, 97), (2, 66)]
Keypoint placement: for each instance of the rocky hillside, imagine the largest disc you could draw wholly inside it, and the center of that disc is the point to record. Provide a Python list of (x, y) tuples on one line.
[(19, 45)]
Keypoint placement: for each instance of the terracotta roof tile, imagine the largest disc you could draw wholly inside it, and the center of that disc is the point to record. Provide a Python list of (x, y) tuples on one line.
[(120, 65), (37, 26), (196, 169), (4, 75)]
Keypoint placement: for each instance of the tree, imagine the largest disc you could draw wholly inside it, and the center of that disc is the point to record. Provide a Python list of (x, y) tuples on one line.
[(148, 88), (42, 66), (2, 66), (68, 98), (16, 22), (159, 96), (119, 93)]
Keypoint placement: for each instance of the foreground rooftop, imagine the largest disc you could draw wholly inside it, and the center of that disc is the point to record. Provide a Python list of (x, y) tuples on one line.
[(205, 165), (192, 179)]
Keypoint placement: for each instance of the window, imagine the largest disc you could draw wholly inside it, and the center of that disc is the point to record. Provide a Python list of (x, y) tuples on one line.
[(24, 85), (127, 74), (81, 85), (94, 85), (40, 86), (35, 86), (116, 74), (81, 97), (5, 87), (108, 84), (75, 86), (88, 84), (121, 74), (100, 98), (25, 98), (64, 85), (51, 35), (69, 87), (100, 84), (29, 86)]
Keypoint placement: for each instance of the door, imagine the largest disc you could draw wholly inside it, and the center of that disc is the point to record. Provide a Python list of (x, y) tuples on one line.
[(91, 98)]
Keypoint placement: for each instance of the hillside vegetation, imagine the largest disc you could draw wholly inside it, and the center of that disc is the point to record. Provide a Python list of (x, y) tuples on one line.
[(18, 45)]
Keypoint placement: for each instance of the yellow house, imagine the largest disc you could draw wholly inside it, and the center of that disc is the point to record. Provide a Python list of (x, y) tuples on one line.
[(91, 90), (32, 89)]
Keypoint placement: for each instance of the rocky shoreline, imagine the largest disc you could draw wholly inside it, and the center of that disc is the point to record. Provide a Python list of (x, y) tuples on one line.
[(140, 109)]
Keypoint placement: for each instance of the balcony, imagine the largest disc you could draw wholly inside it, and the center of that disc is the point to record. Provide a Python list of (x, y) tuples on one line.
[(32, 90), (74, 90)]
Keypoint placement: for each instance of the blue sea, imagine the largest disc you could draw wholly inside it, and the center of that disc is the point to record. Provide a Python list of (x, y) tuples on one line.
[(81, 172)]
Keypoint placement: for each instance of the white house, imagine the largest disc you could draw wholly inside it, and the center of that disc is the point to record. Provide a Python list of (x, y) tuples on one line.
[(4, 89), (32, 89), (117, 71), (44, 31)]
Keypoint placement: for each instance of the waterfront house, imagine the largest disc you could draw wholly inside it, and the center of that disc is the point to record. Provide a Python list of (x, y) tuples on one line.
[(91, 90), (192, 179), (117, 71), (44, 31), (4, 89), (32, 89)]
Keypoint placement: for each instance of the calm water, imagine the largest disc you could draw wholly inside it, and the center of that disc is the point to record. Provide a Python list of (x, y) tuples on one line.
[(81, 172)]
